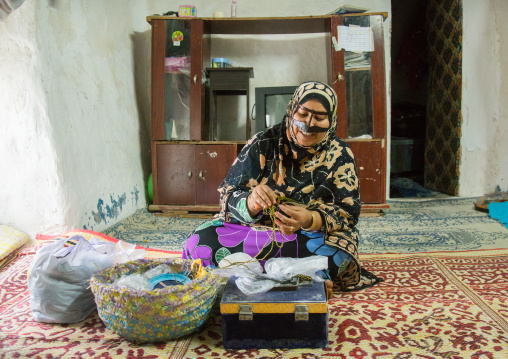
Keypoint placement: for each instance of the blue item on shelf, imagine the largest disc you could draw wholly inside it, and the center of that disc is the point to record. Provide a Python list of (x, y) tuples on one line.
[(220, 62)]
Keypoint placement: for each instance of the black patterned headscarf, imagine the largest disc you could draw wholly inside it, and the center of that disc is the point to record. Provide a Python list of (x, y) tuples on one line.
[(314, 91)]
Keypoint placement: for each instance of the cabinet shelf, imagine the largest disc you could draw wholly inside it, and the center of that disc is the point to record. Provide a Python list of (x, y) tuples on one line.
[(231, 69), (266, 25)]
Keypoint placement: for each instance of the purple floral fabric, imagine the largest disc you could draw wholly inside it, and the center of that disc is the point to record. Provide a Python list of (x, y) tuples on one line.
[(193, 251), (253, 239)]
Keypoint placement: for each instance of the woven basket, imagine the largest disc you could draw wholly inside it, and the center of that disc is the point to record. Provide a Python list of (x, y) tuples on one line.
[(153, 315)]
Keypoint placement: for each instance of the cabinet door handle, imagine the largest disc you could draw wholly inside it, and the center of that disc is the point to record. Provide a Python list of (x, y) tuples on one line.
[(340, 77), (189, 174), (201, 175), (196, 78)]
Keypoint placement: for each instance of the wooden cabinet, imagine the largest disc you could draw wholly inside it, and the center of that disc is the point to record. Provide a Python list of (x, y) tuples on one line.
[(190, 173), (187, 167)]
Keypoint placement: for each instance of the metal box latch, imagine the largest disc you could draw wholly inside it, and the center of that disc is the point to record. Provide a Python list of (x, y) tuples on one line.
[(245, 312), (301, 312)]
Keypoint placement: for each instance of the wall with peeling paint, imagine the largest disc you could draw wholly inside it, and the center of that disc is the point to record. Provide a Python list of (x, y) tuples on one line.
[(30, 183), (75, 114), (484, 141)]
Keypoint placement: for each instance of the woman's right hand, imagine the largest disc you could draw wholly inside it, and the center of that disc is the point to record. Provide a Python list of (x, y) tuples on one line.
[(260, 198)]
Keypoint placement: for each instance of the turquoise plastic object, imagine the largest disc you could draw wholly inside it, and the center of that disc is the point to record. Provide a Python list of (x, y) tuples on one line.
[(499, 211), (150, 188), (168, 279)]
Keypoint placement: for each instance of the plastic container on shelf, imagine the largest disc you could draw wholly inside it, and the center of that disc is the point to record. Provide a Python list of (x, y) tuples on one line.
[(220, 62)]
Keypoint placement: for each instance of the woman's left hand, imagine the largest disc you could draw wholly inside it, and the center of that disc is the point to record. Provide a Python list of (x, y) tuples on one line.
[(296, 217)]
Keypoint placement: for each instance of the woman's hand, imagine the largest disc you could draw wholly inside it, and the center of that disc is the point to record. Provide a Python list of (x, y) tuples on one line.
[(296, 217), (260, 198)]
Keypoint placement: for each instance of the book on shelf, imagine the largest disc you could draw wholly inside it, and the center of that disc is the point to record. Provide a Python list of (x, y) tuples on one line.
[(348, 9)]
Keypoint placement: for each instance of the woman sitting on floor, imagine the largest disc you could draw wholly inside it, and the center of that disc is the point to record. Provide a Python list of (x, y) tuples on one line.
[(308, 175)]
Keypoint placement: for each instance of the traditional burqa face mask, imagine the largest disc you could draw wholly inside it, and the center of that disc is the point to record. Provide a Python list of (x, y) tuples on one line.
[(301, 123)]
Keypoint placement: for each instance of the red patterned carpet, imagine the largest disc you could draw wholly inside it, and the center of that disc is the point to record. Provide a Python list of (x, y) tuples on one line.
[(438, 305)]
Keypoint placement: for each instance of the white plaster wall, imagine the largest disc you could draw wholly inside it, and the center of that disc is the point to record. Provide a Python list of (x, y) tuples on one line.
[(30, 185), (500, 158), (484, 163), (75, 138), (88, 72)]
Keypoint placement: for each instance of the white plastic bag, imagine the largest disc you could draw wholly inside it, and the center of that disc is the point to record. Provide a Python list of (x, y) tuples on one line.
[(237, 263), (142, 281), (279, 270), (287, 268), (59, 275), (127, 252)]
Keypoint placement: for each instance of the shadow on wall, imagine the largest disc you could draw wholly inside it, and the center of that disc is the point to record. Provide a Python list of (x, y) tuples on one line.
[(141, 44), (8, 6)]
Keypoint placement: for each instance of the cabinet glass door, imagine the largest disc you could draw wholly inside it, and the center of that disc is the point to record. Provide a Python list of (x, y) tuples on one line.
[(177, 80), (358, 77)]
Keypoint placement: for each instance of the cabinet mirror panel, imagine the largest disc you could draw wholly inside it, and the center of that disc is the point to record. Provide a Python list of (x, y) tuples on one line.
[(359, 103), (358, 86)]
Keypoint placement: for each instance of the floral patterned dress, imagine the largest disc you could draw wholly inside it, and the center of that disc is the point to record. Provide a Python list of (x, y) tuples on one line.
[(322, 178)]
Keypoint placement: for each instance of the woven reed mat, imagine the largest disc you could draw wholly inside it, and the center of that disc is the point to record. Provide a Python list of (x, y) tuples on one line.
[(438, 305), (409, 226)]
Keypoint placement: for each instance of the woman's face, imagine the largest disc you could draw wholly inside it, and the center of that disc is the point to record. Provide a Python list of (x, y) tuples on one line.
[(303, 115)]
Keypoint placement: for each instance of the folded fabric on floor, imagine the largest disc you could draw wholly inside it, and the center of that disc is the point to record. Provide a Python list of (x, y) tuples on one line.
[(10, 240), (431, 225)]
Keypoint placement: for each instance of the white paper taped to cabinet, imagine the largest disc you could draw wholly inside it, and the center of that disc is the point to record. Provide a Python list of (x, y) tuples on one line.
[(354, 38)]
